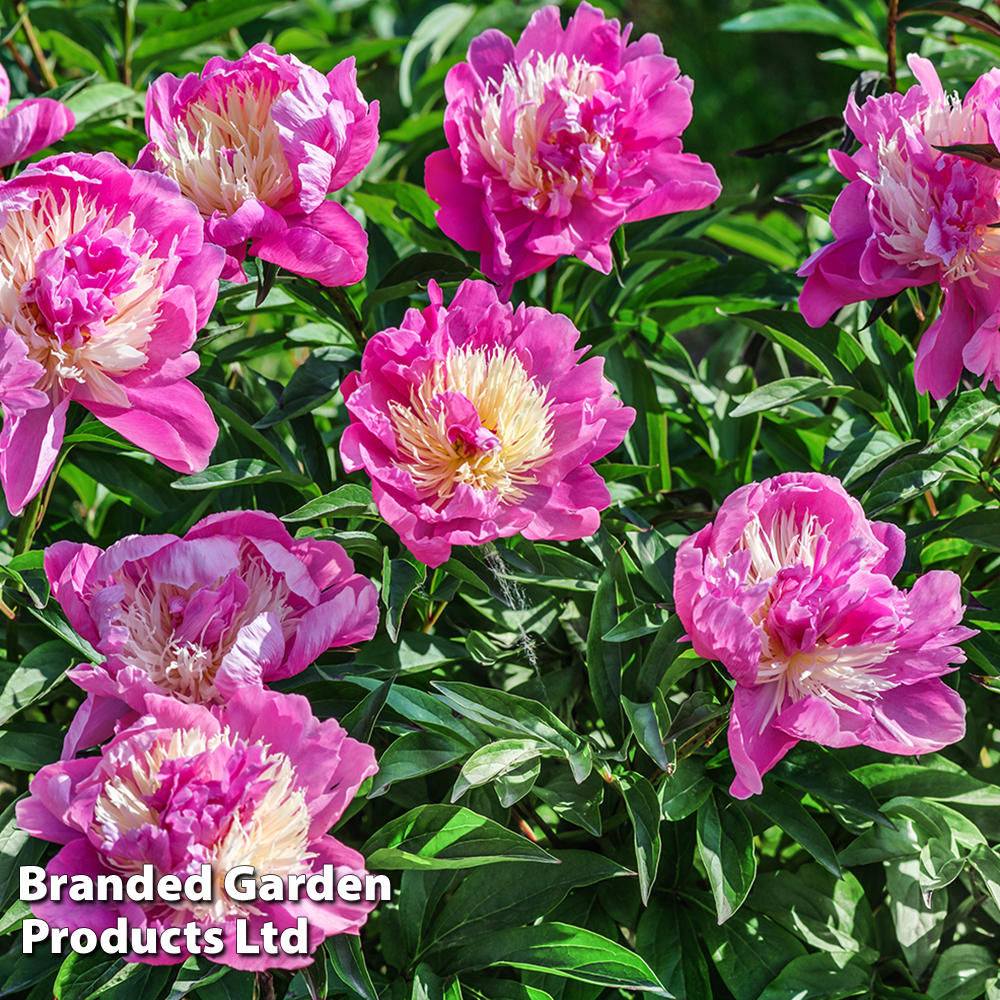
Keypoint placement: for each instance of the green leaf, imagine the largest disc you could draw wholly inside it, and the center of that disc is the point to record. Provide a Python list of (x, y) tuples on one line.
[(493, 899), (496, 759), (312, 384), (650, 722), (27, 746), (667, 940), (12, 841), (520, 717), (577, 803), (644, 812), (400, 578), (605, 659), (783, 809), (980, 526), (241, 472), (802, 18), (824, 911), (563, 950), (962, 972), (683, 792), (749, 950), (414, 754), (85, 977), (783, 391), (193, 973), (968, 413), (412, 274), (907, 478), (443, 836), (725, 844), (815, 770), (347, 501), (824, 976), (184, 28), (360, 721), (348, 962), (37, 674), (918, 916), (638, 622)]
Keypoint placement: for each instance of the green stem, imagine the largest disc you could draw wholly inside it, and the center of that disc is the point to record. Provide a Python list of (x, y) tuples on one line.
[(550, 287), (969, 561), (347, 310), (991, 452)]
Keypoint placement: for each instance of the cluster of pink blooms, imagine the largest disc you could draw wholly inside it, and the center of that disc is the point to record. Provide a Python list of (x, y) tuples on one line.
[(475, 421)]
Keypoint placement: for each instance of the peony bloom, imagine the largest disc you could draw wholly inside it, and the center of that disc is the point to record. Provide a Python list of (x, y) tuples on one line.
[(257, 144), (104, 280), (913, 215), (235, 603), (791, 588), (257, 782), (557, 141), (31, 126), (476, 422)]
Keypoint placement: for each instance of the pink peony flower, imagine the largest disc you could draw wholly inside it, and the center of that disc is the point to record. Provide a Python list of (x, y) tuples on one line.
[(912, 215), (557, 141), (476, 422), (31, 126), (234, 603), (791, 589), (257, 144), (104, 280), (257, 782)]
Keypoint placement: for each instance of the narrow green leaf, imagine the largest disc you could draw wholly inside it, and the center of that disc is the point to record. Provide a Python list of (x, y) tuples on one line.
[(725, 843)]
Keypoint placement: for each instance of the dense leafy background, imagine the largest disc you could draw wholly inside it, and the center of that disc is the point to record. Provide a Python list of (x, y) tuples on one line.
[(530, 703)]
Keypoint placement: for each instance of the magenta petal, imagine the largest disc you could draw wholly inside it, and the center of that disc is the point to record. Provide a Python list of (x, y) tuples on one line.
[(29, 446), (755, 745), (328, 245), (918, 718), (172, 422)]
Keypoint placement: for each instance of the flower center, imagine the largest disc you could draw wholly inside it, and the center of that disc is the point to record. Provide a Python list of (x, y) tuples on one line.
[(935, 208), (242, 797), (831, 669), (477, 418), (545, 133), (228, 151), (81, 292), (180, 635)]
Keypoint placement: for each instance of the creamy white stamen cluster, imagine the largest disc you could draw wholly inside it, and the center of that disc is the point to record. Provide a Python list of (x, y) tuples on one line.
[(181, 667), (113, 350), (274, 839), (510, 404), (831, 672), (537, 117), (905, 205), (228, 151)]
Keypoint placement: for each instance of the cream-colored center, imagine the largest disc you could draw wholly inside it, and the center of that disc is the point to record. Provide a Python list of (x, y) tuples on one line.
[(510, 404)]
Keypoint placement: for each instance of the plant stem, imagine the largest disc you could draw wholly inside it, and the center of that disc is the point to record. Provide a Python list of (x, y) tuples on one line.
[(36, 49), (991, 452), (550, 287), (347, 310), (891, 44), (432, 621), (24, 67)]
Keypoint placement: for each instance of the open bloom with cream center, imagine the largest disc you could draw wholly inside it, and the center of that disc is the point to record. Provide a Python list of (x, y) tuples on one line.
[(257, 144), (791, 589), (476, 422), (913, 215), (105, 279), (555, 142), (235, 603), (31, 126), (258, 782)]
